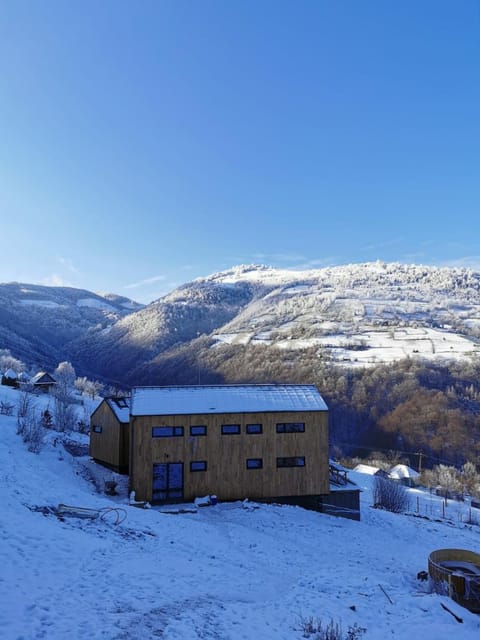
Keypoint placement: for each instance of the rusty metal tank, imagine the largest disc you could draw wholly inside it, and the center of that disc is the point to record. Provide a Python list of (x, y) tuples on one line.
[(456, 573)]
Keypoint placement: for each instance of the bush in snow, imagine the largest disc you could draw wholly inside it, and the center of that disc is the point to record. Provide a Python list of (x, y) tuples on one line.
[(29, 425), (316, 630), (6, 408), (33, 434), (389, 495)]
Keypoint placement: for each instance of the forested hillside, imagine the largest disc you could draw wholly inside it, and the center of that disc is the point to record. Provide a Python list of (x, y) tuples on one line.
[(408, 406)]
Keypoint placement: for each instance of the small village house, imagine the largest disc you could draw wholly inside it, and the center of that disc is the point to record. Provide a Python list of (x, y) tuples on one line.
[(404, 474), (10, 378), (43, 381), (109, 433)]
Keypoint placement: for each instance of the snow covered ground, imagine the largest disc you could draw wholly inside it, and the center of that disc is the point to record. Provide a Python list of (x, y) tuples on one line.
[(230, 571)]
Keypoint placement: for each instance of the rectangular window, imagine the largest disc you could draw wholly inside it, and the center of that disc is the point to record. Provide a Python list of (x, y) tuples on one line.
[(290, 427), (297, 461), (198, 465), (254, 463), (166, 432), (230, 429), (97, 428), (198, 430), (254, 428)]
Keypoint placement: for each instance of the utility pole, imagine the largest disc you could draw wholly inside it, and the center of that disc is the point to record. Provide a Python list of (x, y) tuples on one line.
[(420, 454)]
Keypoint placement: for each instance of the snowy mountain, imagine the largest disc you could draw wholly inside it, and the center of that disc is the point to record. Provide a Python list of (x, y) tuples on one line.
[(233, 571), (37, 323), (353, 315), (362, 314)]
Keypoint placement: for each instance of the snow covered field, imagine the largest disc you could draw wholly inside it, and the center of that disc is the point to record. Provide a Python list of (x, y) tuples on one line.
[(230, 571), (361, 315)]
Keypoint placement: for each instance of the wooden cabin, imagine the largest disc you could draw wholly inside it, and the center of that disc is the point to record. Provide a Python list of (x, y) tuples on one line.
[(109, 433), (10, 378), (43, 381), (232, 441)]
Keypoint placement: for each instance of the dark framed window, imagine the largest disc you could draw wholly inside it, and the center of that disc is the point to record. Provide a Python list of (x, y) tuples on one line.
[(198, 430), (293, 461), (230, 429), (254, 463), (198, 465), (97, 428), (290, 427), (167, 432), (254, 428)]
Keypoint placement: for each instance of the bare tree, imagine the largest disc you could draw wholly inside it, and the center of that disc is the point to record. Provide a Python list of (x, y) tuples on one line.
[(7, 361), (389, 495), (25, 411)]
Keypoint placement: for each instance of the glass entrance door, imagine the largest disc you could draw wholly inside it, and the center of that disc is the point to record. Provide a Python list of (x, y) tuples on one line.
[(167, 481)]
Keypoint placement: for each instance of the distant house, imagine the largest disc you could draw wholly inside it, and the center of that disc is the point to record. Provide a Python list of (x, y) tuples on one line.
[(371, 471), (10, 378), (109, 433), (404, 474), (43, 381)]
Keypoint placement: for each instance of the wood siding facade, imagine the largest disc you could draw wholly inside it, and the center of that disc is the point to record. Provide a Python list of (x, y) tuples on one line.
[(110, 446), (227, 475)]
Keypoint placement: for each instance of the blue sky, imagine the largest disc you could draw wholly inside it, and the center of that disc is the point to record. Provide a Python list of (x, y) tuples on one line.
[(143, 144)]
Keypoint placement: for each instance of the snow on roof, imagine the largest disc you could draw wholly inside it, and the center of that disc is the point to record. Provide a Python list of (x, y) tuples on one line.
[(400, 471), (249, 398), (120, 407), (10, 374), (366, 468), (39, 377)]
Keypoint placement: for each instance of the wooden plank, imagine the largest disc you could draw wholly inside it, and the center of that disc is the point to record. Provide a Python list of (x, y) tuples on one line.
[(111, 445), (227, 475)]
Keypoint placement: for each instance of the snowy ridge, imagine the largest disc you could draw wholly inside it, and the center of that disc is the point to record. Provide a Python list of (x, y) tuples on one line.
[(361, 314), (352, 315)]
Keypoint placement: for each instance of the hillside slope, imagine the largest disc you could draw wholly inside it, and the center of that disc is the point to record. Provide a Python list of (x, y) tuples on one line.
[(232, 572), (38, 323), (354, 315)]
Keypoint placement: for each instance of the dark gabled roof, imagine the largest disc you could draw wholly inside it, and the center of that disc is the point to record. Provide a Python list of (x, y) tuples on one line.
[(42, 377)]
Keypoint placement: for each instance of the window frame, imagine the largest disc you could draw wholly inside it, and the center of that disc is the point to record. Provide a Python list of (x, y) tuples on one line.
[(198, 462), (97, 428), (290, 462), (198, 426), (231, 433), (249, 431), (176, 432), (254, 467), (290, 427)]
